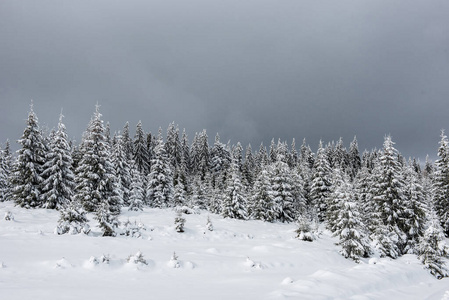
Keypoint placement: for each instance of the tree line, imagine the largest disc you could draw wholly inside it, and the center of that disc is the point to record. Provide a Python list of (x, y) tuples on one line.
[(376, 202)]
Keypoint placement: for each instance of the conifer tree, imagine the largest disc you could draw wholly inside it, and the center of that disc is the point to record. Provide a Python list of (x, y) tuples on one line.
[(262, 202), (173, 146), (59, 178), (96, 184), (185, 156), (107, 221), (293, 156), (248, 168), (355, 162), (4, 175), (160, 179), (234, 201), (282, 190), (441, 184), (72, 219), (432, 248), (389, 204), (122, 168), (179, 197), (320, 187), (345, 221), (220, 159), (415, 209), (27, 171), (137, 193), (141, 157), (6, 168), (127, 142)]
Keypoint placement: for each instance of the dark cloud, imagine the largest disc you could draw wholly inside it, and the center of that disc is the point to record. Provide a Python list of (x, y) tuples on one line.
[(250, 70)]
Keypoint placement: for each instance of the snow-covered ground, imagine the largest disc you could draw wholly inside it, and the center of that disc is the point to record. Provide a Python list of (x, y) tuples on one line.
[(238, 260)]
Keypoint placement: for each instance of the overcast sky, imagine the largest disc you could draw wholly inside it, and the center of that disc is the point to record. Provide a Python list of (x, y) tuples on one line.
[(251, 70)]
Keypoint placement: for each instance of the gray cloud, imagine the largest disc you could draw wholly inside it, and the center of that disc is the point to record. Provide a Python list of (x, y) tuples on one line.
[(251, 70)]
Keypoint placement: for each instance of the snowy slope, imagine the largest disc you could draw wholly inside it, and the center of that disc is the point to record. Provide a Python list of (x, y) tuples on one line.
[(238, 260)]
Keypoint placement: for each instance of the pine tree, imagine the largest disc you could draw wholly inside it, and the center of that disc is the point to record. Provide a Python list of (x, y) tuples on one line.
[(173, 146), (179, 223), (27, 172), (141, 156), (415, 209), (248, 168), (7, 167), (72, 219), (389, 203), (136, 197), (282, 190), (107, 221), (234, 201), (346, 223), (432, 248), (96, 184), (320, 187), (59, 178), (127, 142), (355, 162), (262, 202), (122, 168), (160, 179), (441, 184), (220, 158)]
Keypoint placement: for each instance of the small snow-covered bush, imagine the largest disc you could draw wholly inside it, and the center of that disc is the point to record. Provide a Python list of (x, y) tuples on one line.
[(185, 210), (174, 263), (133, 229), (305, 231), (137, 259), (179, 223), (209, 225), (9, 216)]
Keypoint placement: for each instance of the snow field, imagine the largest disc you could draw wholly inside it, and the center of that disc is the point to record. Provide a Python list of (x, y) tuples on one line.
[(238, 260)]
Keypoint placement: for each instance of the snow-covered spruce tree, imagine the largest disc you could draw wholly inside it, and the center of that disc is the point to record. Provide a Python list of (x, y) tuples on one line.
[(127, 142), (389, 204), (262, 202), (180, 194), (95, 177), (122, 168), (185, 153), (209, 225), (160, 179), (320, 187), (72, 219), (136, 196), (282, 190), (432, 248), (220, 159), (107, 221), (346, 223), (173, 146), (234, 201), (141, 156), (59, 179), (415, 209), (248, 168), (441, 184), (355, 163), (6, 168), (26, 178), (3, 176), (293, 155), (363, 183), (179, 222)]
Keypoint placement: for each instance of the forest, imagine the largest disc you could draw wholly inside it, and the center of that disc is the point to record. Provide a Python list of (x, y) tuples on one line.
[(374, 202)]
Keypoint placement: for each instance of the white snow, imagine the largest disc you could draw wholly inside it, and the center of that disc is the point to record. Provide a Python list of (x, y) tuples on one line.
[(237, 260)]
